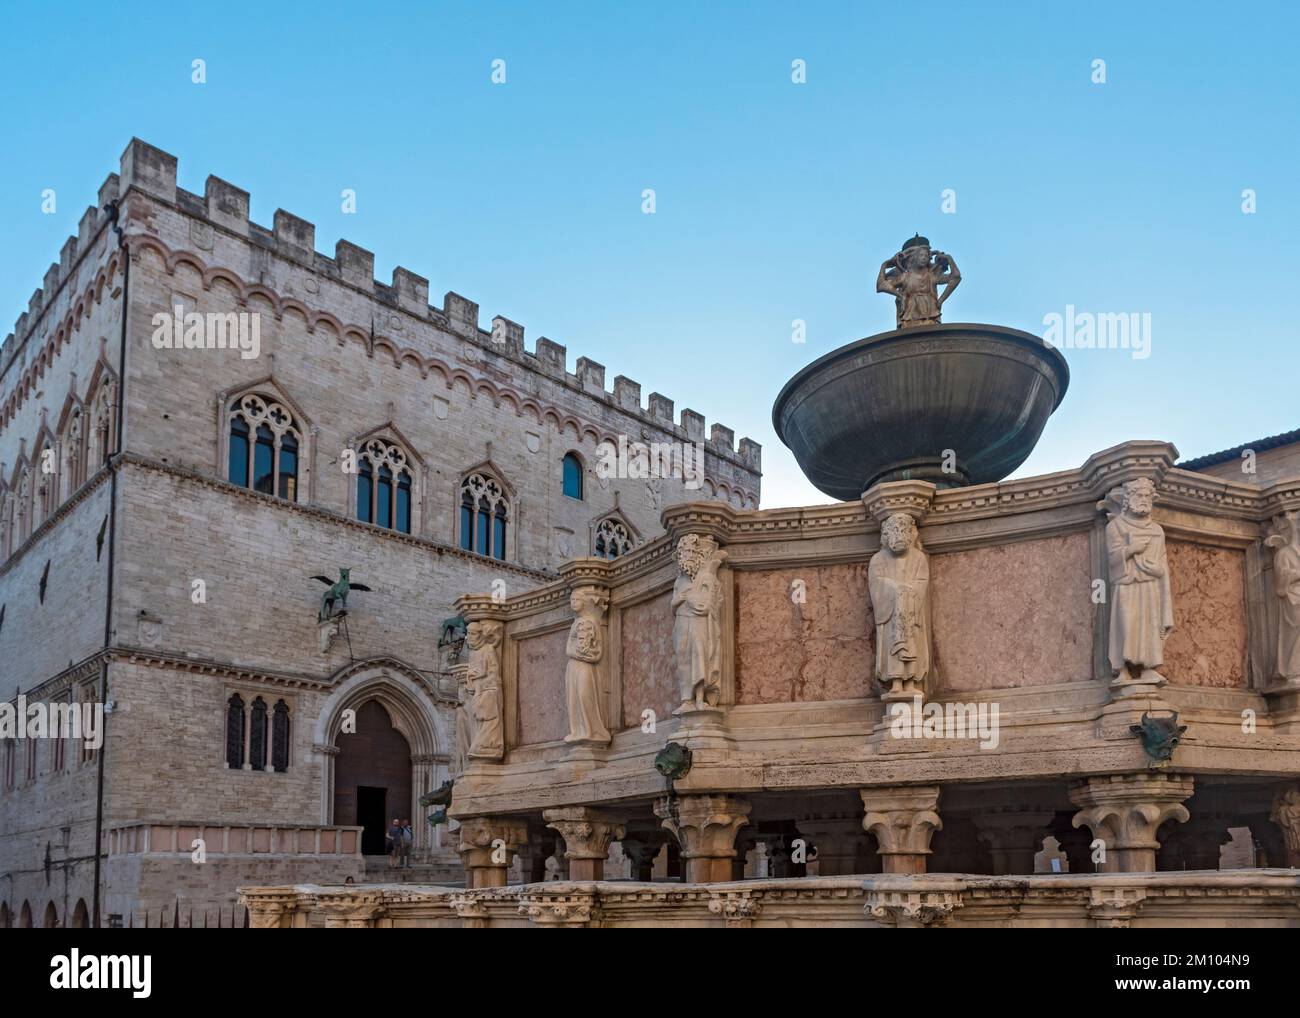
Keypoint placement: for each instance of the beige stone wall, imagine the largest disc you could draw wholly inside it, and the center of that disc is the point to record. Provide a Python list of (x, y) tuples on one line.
[(1013, 615), (1208, 644)]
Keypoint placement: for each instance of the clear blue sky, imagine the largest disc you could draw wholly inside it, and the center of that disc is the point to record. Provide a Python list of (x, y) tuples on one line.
[(775, 201)]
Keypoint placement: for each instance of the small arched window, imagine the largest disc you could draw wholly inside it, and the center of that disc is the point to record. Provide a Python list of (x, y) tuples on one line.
[(572, 471), (484, 516), (74, 462), (235, 731), (612, 538), (384, 486), (263, 447), (257, 735), (280, 737), (105, 423)]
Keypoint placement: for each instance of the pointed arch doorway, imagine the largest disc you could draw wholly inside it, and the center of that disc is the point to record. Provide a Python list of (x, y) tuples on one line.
[(372, 776)]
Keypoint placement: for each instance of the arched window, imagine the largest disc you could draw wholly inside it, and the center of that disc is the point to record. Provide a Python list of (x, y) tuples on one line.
[(235, 731), (51, 917), (484, 516), (613, 538), (74, 461), (384, 486), (6, 920), (105, 413), (6, 523), (257, 735), (280, 737), (572, 470), (80, 915), (25, 916), (46, 485), (263, 447)]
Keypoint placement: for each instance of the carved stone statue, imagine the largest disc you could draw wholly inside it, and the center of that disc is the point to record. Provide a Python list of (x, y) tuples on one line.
[(697, 621), (898, 580), (914, 277), (1141, 603), (584, 649), (483, 683), (1286, 584)]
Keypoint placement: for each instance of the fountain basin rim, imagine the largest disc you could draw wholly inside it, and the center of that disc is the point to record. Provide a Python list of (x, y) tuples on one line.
[(978, 330)]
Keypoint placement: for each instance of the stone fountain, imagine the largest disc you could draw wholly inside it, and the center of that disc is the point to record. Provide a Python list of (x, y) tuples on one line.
[(951, 404)]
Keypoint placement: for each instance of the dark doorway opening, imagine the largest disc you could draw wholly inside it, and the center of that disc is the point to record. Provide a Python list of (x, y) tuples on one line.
[(372, 810)]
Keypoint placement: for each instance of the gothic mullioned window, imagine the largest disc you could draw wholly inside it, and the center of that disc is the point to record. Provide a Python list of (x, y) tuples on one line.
[(384, 485), (74, 462), (264, 447), (613, 538), (572, 475), (257, 735), (280, 737), (484, 516), (105, 422), (235, 731)]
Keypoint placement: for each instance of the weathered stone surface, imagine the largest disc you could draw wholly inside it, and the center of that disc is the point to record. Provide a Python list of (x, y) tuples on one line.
[(820, 649), (1208, 644), (542, 713), (1013, 615), (649, 668)]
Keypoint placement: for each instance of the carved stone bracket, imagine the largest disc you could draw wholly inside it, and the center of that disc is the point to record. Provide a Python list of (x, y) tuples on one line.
[(587, 835), (705, 827), (902, 909), (903, 819), (470, 909), (559, 909), (1124, 811), (272, 910), (1115, 907), (912, 498), (351, 910), (738, 909)]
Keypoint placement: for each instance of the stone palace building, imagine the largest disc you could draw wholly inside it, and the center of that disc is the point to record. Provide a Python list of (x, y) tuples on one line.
[(198, 416)]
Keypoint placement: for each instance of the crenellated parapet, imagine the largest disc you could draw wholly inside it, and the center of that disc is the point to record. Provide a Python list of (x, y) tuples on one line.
[(223, 209)]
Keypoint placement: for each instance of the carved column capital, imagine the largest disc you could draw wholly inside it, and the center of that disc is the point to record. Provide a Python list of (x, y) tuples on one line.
[(912, 498), (270, 909), (350, 909), (1124, 811), (705, 827), (487, 846), (903, 819), (587, 835)]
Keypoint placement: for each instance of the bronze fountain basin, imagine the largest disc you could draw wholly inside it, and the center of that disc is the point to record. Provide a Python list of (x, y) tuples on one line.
[(951, 404)]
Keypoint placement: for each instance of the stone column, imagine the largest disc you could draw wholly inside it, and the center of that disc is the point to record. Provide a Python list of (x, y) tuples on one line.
[(839, 840), (1286, 815), (705, 827), (1124, 811), (487, 846), (1013, 837), (903, 818), (587, 835), (641, 847)]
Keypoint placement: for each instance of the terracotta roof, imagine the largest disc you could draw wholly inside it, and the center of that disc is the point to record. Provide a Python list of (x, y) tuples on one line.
[(1262, 445)]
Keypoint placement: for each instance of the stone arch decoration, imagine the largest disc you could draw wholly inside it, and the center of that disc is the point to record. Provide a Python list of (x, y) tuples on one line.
[(415, 713), (80, 916)]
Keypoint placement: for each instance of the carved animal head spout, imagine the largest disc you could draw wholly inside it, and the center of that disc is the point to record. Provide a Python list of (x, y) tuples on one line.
[(673, 761), (1160, 736)]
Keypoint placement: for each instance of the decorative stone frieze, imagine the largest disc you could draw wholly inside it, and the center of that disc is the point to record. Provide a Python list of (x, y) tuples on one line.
[(738, 909), (559, 909), (470, 909), (270, 909), (1124, 811)]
